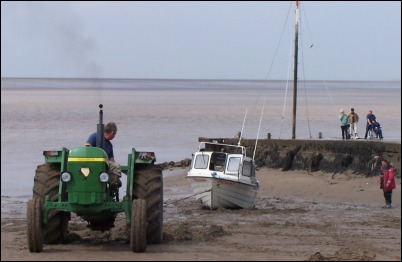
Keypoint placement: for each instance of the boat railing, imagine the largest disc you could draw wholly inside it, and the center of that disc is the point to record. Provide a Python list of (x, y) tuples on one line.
[(203, 145)]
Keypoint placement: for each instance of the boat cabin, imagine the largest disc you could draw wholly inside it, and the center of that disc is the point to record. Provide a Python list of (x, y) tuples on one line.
[(223, 164)]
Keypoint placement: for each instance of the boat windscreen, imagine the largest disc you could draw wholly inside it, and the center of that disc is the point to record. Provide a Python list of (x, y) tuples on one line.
[(201, 161), (233, 164)]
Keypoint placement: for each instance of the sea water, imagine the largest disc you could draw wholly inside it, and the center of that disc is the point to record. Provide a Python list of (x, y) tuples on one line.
[(168, 116)]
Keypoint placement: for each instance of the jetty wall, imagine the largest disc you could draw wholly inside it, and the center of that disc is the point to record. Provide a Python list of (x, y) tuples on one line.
[(332, 156)]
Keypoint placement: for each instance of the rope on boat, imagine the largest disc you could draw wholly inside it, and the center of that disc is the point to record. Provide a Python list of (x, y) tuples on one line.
[(286, 91), (330, 97), (241, 133), (304, 84), (280, 40), (258, 133), (165, 204)]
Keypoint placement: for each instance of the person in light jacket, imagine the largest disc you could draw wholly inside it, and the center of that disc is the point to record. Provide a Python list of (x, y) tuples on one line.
[(344, 123)]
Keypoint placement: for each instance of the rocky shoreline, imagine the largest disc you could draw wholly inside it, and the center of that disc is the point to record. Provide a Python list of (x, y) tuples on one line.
[(330, 156)]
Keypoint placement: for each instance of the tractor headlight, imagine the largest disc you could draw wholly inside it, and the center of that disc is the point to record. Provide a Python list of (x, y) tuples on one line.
[(66, 177), (104, 177)]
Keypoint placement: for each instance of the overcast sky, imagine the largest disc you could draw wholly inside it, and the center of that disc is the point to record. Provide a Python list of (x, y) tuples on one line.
[(201, 40)]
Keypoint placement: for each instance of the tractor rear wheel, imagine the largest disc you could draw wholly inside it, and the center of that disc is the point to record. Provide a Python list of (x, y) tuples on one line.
[(148, 185), (46, 182), (34, 225), (138, 232)]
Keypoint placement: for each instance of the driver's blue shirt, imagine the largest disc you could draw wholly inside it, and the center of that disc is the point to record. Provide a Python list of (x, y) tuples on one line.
[(108, 145)]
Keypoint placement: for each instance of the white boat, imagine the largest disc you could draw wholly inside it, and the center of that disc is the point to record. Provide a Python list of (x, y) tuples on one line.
[(222, 176)]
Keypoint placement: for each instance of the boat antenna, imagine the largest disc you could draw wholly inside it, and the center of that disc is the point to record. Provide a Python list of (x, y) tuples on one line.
[(258, 133), (241, 132)]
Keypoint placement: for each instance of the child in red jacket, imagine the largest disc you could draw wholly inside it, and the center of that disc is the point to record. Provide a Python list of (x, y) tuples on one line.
[(387, 181)]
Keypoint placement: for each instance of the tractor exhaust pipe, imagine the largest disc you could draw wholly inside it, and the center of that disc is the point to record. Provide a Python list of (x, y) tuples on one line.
[(100, 137)]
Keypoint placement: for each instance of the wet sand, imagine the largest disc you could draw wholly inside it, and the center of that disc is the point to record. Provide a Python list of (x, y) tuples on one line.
[(298, 216)]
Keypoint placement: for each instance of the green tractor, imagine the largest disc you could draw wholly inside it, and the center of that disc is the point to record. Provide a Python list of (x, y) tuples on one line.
[(76, 181)]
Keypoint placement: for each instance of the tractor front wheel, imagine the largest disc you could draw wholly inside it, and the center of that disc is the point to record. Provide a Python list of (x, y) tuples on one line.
[(138, 232), (148, 185), (46, 182), (34, 225)]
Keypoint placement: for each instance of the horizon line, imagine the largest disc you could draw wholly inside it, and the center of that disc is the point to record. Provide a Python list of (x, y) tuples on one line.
[(193, 79)]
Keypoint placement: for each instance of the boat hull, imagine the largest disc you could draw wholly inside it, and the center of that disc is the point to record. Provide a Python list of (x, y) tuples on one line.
[(215, 192)]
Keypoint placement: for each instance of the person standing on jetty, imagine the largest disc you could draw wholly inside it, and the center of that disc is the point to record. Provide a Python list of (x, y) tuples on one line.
[(344, 122), (386, 180), (353, 120), (369, 119)]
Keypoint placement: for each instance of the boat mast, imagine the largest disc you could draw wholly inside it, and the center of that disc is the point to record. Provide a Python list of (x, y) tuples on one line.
[(295, 70)]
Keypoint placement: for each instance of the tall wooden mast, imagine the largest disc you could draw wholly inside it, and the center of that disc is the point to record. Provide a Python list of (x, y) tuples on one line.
[(295, 70)]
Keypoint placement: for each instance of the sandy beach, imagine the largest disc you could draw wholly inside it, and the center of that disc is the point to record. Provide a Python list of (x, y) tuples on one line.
[(298, 216)]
